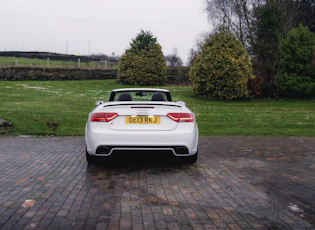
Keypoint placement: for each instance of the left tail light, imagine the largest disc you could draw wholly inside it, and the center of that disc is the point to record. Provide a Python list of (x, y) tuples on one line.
[(181, 117), (103, 117)]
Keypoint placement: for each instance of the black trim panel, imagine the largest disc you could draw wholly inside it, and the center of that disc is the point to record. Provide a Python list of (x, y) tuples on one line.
[(113, 150)]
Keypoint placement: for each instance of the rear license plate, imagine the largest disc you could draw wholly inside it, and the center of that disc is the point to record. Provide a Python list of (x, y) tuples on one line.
[(154, 120)]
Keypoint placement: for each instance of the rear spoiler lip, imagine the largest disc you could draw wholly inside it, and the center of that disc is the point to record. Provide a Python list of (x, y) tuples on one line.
[(143, 104)]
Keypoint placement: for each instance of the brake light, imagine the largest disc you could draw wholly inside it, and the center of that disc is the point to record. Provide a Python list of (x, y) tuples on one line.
[(181, 117), (103, 117)]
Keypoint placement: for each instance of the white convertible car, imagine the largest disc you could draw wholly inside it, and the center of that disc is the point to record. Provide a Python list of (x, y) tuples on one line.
[(141, 121)]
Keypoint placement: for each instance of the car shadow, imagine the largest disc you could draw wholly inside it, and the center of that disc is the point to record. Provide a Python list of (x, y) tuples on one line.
[(131, 161)]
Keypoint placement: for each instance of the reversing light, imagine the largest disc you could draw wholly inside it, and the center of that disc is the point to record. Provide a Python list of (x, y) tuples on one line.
[(181, 117), (103, 117)]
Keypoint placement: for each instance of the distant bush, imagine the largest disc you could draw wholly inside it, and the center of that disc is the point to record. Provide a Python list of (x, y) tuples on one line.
[(177, 76), (297, 51), (223, 68), (297, 77), (143, 63), (295, 86)]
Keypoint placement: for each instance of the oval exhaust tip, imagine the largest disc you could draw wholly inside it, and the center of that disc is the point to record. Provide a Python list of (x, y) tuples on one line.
[(181, 150), (103, 150)]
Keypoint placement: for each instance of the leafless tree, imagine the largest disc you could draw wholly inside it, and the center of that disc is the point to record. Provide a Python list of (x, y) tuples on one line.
[(289, 9), (193, 53), (197, 49), (306, 13), (236, 15), (173, 60)]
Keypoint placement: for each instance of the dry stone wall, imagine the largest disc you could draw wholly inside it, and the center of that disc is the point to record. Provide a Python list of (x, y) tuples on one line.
[(174, 76)]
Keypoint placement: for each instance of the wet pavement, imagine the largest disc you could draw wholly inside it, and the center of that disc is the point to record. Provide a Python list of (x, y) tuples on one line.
[(237, 183)]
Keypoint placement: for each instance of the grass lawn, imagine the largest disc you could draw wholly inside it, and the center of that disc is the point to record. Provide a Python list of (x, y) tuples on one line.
[(30, 105), (33, 62)]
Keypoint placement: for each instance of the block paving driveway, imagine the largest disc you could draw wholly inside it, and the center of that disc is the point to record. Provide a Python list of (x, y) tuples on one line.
[(237, 183)]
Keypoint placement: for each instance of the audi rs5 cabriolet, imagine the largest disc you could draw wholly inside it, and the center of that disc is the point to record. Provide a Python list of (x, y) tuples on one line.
[(141, 121)]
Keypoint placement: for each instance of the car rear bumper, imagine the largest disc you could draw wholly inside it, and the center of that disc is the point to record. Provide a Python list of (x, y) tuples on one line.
[(177, 142)]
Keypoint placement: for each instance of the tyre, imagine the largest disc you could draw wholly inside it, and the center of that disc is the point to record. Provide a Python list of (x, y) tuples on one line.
[(90, 159), (190, 159)]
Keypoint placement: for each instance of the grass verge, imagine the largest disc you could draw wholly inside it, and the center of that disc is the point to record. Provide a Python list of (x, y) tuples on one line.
[(30, 105), (32, 62)]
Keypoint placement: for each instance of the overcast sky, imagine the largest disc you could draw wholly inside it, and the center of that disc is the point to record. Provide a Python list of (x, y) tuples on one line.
[(99, 26)]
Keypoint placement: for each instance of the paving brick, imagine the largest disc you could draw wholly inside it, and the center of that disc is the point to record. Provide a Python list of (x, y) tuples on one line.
[(237, 183), (173, 226), (136, 219)]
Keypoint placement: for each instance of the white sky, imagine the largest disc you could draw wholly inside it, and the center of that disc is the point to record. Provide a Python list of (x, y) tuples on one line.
[(99, 26)]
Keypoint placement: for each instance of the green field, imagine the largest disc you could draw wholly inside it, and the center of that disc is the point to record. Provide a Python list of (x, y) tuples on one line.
[(30, 105), (32, 62)]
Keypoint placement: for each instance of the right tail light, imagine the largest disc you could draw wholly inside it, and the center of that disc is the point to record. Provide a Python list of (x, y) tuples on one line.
[(181, 117)]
